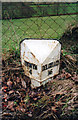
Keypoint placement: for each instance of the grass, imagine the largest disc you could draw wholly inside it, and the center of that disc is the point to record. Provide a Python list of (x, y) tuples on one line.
[(13, 31)]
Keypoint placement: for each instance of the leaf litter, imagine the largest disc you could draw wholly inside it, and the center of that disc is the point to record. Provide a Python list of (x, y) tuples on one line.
[(56, 100)]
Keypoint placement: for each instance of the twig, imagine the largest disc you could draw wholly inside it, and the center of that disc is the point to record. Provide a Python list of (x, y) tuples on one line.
[(13, 69), (44, 112)]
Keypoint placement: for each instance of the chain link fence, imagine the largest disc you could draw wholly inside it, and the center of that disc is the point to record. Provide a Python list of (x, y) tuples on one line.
[(35, 20)]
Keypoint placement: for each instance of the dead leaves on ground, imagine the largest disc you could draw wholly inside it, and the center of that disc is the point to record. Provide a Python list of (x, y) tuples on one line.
[(48, 101)]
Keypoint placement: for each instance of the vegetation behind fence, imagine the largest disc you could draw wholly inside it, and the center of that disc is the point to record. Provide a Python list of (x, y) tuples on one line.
[(35, 20), (26, 10)]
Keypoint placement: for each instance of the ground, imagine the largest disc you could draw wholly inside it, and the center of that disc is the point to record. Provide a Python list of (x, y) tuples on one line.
[(57, 100)]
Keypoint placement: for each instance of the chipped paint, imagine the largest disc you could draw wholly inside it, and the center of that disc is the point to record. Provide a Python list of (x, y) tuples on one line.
[(40, 60)]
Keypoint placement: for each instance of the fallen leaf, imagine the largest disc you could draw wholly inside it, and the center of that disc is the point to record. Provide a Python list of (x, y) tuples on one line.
[(58, 77), (75, 78), (30, 115), (18, 79), (9, 83), (54, 109), (5, 95), (62, 75), (5, 87), (11, 91), (63, 71), (70, 58), (34, 99), (67, 75), (23, 83), (10, 104), (7, 114), (5, 91), (62, 51), (58, 103), (33, 94), (22, 109)]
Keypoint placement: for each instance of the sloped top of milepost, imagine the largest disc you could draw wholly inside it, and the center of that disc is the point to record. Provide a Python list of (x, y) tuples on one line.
[(41, 48)]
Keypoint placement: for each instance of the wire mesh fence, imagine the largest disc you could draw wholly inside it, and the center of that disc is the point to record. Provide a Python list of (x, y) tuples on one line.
[(35, 20)]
